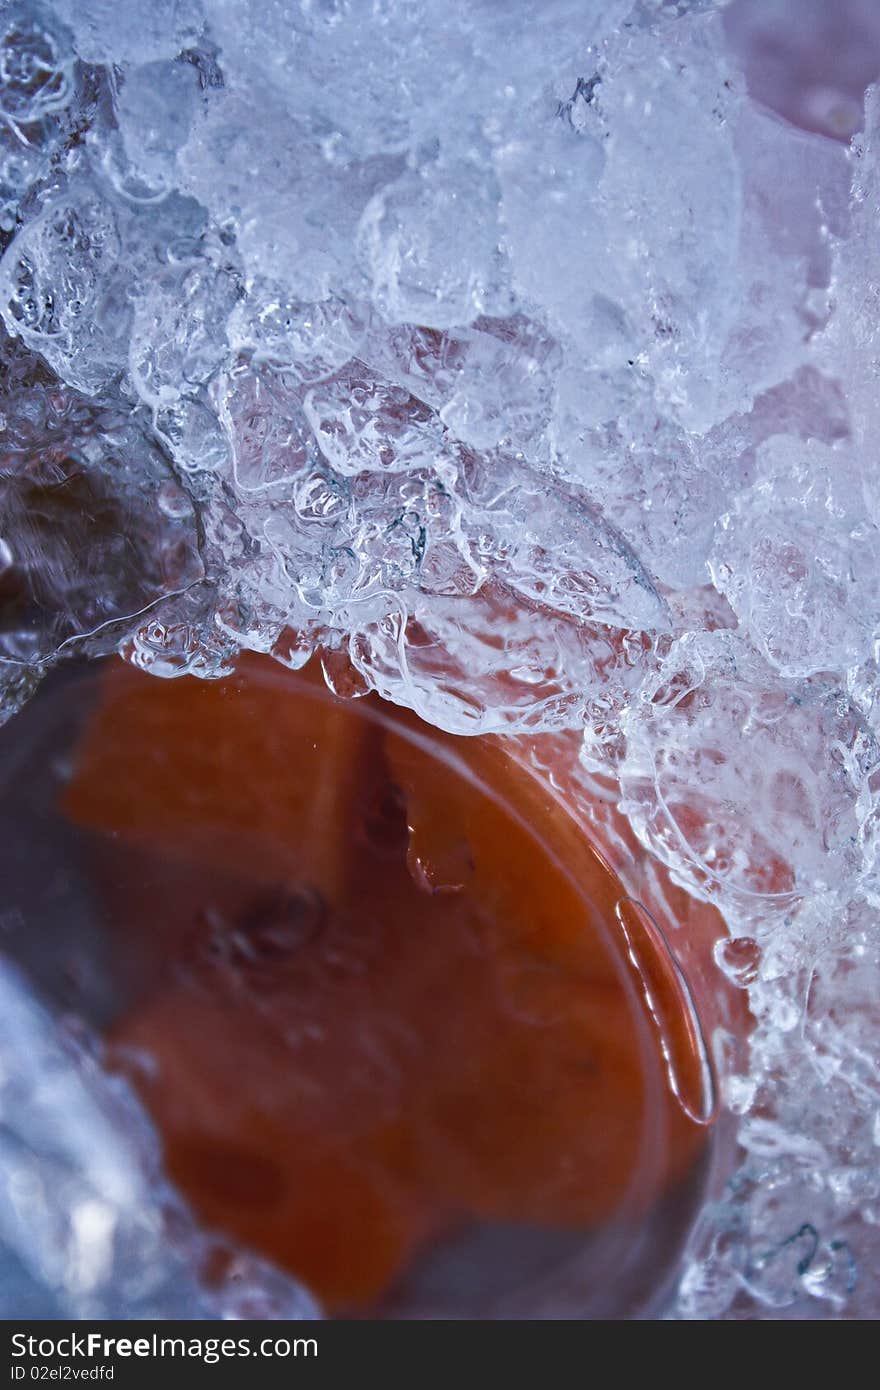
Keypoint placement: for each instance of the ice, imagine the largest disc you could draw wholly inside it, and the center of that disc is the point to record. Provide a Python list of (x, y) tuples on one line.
[(520, 358), (751, 790), (155, 110), (796, 559), (84, 552), (363, 424), (178, 335), (425, 263), (51, 281), (125, 31), (90, 1229), (35, 66)]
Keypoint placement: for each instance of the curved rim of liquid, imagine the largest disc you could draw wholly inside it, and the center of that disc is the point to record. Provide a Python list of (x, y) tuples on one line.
[(52, 707)]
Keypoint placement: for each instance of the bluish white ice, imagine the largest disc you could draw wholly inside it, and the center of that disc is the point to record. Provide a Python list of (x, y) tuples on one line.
[(523, 356), (93, 1230)]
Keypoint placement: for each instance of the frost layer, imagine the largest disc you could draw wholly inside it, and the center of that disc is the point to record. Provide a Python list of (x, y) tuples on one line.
[(522, 359)]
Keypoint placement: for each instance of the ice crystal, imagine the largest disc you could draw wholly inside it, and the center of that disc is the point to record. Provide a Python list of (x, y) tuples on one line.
[(522, 357)]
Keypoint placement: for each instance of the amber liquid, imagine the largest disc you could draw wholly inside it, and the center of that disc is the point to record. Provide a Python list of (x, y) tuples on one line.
[(378, 990)]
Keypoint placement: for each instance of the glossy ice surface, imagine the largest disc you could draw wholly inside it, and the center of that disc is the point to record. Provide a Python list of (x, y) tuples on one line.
[(522, 356)]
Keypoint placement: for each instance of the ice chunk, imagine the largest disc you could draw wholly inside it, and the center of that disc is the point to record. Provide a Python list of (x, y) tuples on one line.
[(121, 31), (36, 65), (155, 110), (363, 424), (430, 242), (52, 281), (178, 334), (796, 559), (728, 776), (84, 1215)]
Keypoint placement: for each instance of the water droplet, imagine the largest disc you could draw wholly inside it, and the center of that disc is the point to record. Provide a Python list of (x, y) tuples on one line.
[(673, 1013), (343, 678), (293, 649)]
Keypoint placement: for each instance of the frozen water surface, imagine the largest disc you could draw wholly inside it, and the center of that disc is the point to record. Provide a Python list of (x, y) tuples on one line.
[(523, 356)]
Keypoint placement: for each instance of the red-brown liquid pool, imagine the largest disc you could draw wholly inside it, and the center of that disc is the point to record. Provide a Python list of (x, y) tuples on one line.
[(383, 988)]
